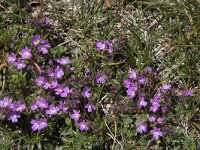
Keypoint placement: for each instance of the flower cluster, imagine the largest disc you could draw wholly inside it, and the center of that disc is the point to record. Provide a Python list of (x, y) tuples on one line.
[(40, 21), (64, 93), (140, 89), (108, 45), (12, 109), (26, 54)]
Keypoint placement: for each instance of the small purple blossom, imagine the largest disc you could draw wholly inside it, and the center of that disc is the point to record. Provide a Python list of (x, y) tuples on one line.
[(127, 83), (152, 118), (12, 58), (13, 117), (155, 102), (42, 103), (142, 127), (142, 102), (26, 53), (154, 108), (53, 110), (35, 124), (54, 84), (185, 93), (43, 47), (133, 74), (86, 92), (18, 107), (160, 120), (87, 70), (131, 92), (6, 102), (142, 80), (64, 61), (90, 107), (35, 40), (166, 87), (83, 125), (157, 133), (34, 106), (109, 47), (42, 123), (51, 73), (59, 73), (76, 115), (149, 69), (100, 45), (19, 64), (58, 90), (63, 107), (72, 69), (101, 78), (40, 81), (47, 85), (66, 92)]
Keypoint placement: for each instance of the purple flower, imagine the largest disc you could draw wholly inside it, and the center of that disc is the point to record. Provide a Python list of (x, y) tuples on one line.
[(39, 124), (40, 81), (26, 53), (13, 117), (87, 70), (34, 106), (142, 102), (42, 103), (154, 108), (185, 93), (142, 80), (155, 102), (53, 110), (12, 58), (58, 90), (86, 92), (43, 47), (166, 87), (66, 92), (50, 73), (18, 107), (160, 120), (20, 64), (76, 115), (35, 125), (157, 133), (42, 123), (63, 107), (131, 92), (47, 85), (35, 40), (90, 107), (149, 69), (109, 47), (100, 45), (83, 125), (152, 118), (101, 78), (142, 127), (127, 83), (133, 74), (5, 102), (54, 84), (72, 69), (63, 61), (59, 73)]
